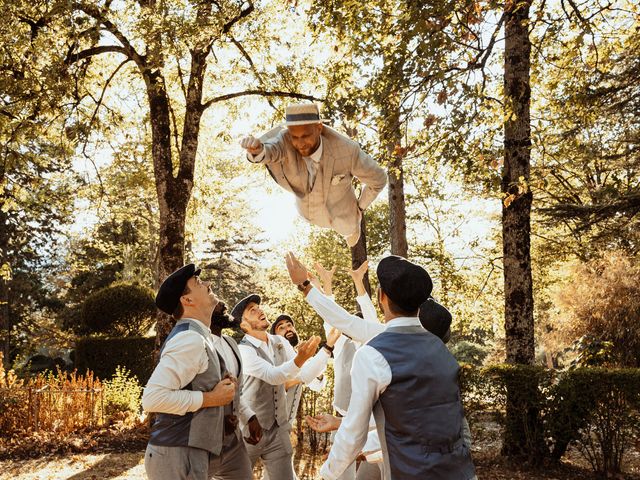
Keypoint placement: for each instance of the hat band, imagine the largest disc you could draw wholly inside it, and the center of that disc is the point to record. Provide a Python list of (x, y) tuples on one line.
[(299, 117)]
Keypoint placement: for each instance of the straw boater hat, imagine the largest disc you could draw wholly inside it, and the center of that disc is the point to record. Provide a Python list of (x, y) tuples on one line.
[(302, 114)]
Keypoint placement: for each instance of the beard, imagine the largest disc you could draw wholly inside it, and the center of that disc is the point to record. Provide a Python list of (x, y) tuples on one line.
[(293, 339), (220, 319)]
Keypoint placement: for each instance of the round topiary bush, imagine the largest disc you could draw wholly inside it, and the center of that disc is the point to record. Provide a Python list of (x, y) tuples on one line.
[(119, 310)]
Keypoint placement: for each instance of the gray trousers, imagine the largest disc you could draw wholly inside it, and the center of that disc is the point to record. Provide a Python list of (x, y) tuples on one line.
[(274, 448), (186, 463)]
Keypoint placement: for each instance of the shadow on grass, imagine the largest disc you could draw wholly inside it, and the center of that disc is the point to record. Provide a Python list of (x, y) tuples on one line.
[(108, 468)]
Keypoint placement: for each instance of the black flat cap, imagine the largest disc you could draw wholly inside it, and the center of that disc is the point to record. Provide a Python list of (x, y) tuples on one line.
[(281, 318), (435, 318), (404, 282), (238, 310), (170, 291)]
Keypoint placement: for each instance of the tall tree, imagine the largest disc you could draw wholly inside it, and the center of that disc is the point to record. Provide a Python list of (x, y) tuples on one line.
[(516, 211), (170, 46)]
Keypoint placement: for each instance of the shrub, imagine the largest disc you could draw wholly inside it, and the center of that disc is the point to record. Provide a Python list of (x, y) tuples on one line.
[(119, 310), (104, 355), (469, 352), (122, 396), (596, 409)]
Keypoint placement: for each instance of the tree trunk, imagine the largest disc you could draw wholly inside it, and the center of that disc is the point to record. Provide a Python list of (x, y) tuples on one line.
[(392, 140), (174, 192), (359, 255), (516, 224), (516, 210)]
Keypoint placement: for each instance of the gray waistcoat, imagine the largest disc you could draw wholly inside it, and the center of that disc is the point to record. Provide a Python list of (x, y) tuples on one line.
[(269, 402), (203, 428), (419, 415)]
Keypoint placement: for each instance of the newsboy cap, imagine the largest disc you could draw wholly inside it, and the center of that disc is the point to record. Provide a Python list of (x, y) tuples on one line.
[(170, 291), (407, 284), (435, 318), (280, 318), (238, 310)]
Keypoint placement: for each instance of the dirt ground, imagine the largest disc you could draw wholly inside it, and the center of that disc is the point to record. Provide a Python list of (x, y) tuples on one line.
[(122, 457)]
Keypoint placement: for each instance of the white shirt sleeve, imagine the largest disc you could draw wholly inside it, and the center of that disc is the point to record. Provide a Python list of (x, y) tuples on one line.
[(183, 357), (314, 367), (253, 364), (358, 329), (370, 376), (368, 309)]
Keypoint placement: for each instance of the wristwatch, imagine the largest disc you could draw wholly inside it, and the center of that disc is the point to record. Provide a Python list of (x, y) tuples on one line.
[(303, 285), (329, 349)]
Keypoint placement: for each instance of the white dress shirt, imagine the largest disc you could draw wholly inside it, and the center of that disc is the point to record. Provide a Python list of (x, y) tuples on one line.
[(184, 356), (370, 376), (258, 367), (359, 329)]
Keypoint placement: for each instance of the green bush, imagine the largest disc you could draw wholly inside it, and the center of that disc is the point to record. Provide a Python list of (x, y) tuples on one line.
[(468, 352), (103, 356), (122, 395), (597, 410), (120, 310), (544, 411)]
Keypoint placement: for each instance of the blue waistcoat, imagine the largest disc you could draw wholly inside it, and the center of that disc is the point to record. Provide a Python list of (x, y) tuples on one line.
[(419, 415)]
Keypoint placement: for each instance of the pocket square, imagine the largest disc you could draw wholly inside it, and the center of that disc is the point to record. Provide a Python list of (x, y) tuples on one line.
[(337, 179)]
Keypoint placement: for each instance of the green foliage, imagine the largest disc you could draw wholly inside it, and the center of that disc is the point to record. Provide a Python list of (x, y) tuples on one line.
[(122, 394), (468, 352), (104, 356), (595, 409), (119, 310)]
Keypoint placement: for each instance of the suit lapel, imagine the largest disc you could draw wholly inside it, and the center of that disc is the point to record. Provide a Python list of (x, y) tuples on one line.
[(327, 161)]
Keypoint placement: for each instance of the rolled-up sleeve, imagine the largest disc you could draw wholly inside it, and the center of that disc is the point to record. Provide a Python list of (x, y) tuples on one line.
[(183, 357), (256, 366)]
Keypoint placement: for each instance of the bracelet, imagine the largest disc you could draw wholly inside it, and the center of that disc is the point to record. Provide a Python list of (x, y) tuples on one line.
[(303, 285)]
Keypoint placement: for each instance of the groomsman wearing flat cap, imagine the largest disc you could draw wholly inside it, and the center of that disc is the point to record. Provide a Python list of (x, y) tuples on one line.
[(317, 164), (408, 378), (195, 391), (269, 363)]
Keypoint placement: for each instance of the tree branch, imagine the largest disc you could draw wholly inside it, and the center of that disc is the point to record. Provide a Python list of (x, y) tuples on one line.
[(90, 52), (97, 14), (243, 13), (261, 93)]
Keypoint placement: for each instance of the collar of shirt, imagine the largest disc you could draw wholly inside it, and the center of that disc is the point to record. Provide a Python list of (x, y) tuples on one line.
[(403, 322), (210, 336), (317, 155), (265, 346)]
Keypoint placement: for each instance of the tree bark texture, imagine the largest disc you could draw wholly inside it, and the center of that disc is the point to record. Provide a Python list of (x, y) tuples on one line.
[(392, 139), (522, 437), (359, 255), (516, 212)]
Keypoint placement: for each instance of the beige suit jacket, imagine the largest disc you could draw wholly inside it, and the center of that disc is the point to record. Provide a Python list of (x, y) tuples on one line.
[(342, 159)]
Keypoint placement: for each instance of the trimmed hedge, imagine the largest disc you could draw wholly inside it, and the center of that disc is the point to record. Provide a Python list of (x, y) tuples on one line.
[(103, 355), (544, 411), (119, 310)]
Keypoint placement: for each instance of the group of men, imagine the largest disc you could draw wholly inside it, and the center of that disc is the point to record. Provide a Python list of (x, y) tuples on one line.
[(220, 406)]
